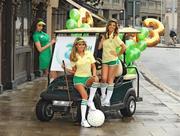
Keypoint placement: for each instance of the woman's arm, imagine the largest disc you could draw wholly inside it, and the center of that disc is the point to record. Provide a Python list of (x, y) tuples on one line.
[(93, 67), (101, 42), (40, 49), (95, 77), (72, 71), (123, 48)]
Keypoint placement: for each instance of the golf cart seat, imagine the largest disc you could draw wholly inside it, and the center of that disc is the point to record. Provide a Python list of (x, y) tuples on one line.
[(129, 77)]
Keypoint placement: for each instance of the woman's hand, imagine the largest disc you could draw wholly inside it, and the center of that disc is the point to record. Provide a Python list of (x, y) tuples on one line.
[(114, 53), (62, 66), (53, 41), (71, 71), (102, 37), (96, 79), (101, 42)]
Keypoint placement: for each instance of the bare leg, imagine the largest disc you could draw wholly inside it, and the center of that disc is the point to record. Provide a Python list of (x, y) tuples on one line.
[(111, 77), (104, 80), (53, 75)]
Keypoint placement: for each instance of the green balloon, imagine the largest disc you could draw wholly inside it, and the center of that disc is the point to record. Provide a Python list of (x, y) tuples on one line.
[(74, 14), (131, 71), (76, 34), (130, 43), (132, 55), (85, 25), (121, 35), (141, 45), (71, 24), (145, 31), (137, 53), (141, 36), (85, 34)]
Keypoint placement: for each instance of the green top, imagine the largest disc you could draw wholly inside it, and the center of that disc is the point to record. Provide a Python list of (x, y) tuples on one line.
[(45, 56)]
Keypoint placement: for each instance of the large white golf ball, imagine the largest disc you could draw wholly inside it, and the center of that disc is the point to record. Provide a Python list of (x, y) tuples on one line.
[(96, 118)]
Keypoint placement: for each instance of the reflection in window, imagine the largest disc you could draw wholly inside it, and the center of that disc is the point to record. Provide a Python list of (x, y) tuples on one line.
[(23, 17), (25, 31), (19, 31)]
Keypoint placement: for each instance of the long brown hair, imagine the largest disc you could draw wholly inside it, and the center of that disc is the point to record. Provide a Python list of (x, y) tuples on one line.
[(116, 31), (73, 56)]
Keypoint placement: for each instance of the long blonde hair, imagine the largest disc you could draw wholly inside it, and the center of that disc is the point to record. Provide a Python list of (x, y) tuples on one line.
[(73, 56), (116, 31)]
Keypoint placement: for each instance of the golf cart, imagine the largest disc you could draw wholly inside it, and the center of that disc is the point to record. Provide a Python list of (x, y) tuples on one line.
[(61, 96)]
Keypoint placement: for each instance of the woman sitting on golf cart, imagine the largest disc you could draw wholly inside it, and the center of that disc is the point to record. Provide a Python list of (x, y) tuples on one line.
[(83, 63), (109, 42)]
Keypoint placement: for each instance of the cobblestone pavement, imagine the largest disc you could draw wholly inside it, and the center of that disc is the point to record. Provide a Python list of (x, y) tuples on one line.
[(157, 115)]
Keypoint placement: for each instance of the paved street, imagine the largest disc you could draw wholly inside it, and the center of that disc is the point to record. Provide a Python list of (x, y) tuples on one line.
[(164, 63), (157, 115)]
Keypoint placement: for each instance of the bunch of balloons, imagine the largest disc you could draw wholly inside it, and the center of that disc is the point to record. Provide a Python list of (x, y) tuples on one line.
[(140, 41), (79, 18)]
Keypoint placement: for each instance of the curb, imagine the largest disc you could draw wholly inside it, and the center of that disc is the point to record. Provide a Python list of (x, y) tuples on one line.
[(167, 46), (148, 76)]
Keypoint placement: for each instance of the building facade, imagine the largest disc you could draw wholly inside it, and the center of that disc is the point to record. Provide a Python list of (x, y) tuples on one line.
[(152, 9), (112, 9), (18, 56), (16, 50)]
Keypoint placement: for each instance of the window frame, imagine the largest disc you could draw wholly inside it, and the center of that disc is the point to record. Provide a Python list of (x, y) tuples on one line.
[(23, 11)]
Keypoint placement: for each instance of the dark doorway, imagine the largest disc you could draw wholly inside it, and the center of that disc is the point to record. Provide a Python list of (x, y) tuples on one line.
[(6, 46)]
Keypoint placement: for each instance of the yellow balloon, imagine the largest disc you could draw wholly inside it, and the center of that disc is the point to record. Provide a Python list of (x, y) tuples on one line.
[(156, 24), (85, 17), (155, 33), (153, 39)]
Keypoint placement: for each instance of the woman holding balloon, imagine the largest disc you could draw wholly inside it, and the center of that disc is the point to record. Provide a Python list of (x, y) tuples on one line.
[(109, 42)]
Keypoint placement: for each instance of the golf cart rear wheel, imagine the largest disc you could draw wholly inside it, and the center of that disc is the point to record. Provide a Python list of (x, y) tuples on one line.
[(130, 107), (44, 110)]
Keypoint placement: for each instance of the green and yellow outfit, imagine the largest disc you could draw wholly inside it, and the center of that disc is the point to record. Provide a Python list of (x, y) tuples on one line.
[(109, 45), (45, 55), (83, 68)]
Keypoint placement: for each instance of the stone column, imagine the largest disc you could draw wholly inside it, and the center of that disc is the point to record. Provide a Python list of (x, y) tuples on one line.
[(51, 4)]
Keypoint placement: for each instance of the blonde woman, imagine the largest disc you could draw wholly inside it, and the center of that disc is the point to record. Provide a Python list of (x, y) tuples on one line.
[(84, 70), (109, 42)]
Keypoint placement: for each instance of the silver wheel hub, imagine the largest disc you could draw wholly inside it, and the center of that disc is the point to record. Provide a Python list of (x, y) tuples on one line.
[(132, 106)]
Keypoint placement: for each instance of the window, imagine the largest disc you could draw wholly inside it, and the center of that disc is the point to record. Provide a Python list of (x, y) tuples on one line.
[(22, 25), (151, 5), (106, 1), (158, 6), (143, 4), (116, 1)]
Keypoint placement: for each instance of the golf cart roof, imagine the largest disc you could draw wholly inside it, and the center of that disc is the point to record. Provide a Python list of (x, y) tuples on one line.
[(96, 30)]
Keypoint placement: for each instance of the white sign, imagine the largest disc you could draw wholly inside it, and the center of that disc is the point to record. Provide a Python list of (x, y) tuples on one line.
[(63, 48)]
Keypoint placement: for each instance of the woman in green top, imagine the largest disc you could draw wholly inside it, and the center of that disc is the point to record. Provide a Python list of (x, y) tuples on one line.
[(43, 44)]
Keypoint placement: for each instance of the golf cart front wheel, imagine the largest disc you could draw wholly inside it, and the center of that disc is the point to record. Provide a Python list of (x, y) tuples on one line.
[(44, 110), (130, 107)]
